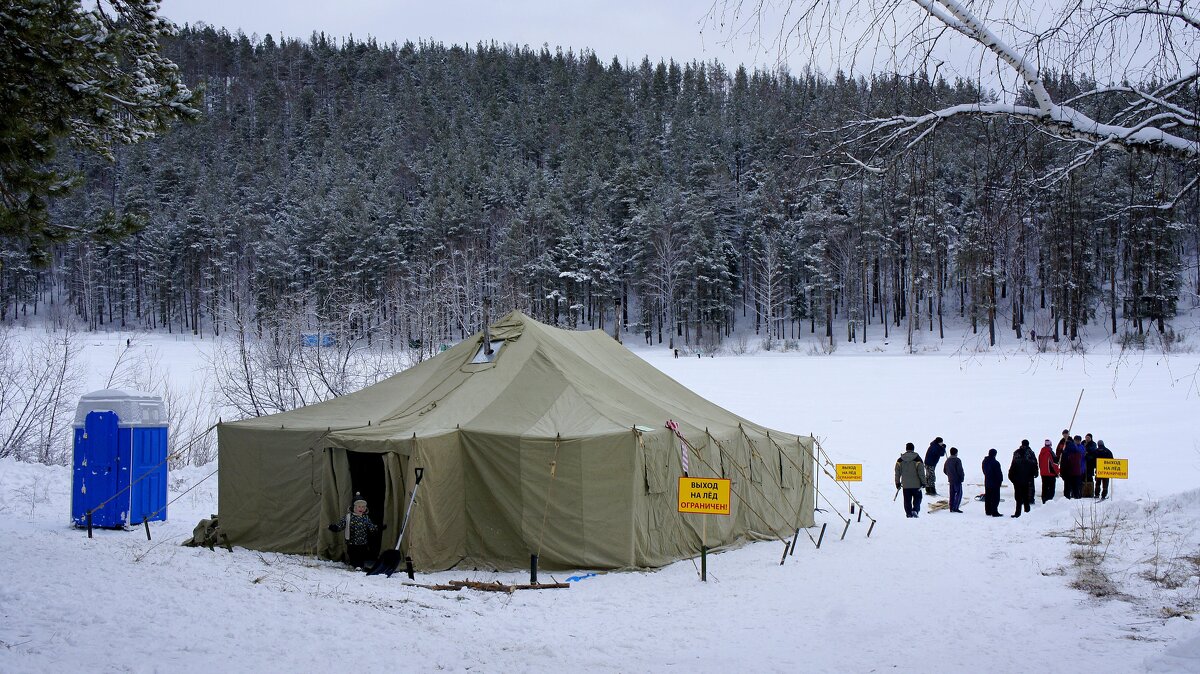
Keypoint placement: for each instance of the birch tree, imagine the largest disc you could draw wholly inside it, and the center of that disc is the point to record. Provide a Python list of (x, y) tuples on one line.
[(1142, 55)]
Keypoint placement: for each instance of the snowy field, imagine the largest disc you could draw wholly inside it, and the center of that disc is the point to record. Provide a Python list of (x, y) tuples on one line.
[(942, 592)]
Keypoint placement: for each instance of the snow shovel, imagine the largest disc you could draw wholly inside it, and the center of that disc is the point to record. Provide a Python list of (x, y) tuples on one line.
[(389, 560)]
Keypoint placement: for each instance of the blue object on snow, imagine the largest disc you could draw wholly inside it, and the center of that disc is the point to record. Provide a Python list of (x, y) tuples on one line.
[(576, 579), (317, 339), (120, 439)]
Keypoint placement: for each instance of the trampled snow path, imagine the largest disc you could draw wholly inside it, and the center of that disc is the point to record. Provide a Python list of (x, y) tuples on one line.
[(943, 591)]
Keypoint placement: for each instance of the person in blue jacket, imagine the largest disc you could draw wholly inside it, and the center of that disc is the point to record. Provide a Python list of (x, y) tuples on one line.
[(937, 449), (993, 477)]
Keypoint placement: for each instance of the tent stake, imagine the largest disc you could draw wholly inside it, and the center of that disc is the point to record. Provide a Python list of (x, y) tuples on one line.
[(845, 529), (146, 523), (89, 523), (822, 536), (870, 528), (703, 563), (533, 564), (794, 537), (786, 547), (408, 567)]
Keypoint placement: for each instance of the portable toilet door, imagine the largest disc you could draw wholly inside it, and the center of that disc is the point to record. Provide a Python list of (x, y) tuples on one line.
[(148, 496), (98, 472)]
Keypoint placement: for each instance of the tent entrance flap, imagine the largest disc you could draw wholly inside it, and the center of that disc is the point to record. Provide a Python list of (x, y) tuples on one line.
[(368, 480), (367, 477)]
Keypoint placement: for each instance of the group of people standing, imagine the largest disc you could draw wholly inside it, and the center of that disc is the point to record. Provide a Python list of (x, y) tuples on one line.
[(1074, 460)]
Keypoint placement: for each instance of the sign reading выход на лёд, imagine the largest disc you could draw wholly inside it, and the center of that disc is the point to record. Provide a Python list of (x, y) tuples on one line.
[(704, 495), (1109, 468), (848, 472)]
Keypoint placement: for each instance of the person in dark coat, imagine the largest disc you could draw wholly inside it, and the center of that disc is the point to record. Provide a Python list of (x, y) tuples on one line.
[(993, 477), (1048, 468), (1102, 452), (1071, 467), (955, 476), (358, 528), (1089, 459), (1058, 455), (910, 476), (937, 449), (1022, 472)]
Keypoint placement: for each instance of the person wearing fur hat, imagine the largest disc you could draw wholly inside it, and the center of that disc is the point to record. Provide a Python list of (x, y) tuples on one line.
[(358, 527)]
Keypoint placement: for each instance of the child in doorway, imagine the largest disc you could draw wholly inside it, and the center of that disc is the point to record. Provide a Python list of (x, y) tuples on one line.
[(358, 527)]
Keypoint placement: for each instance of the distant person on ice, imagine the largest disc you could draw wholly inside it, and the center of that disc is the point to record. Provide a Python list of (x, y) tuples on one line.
[(358, 527), (1102, 452), (993, 477), (910, 476), (937, 449), (1021, 472), (1048, 468), (954, 474)]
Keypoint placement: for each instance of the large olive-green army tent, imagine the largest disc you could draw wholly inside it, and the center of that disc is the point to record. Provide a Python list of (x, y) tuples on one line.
[(555, 443)]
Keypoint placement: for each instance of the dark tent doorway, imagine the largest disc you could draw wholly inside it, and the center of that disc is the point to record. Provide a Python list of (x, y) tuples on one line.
[(368, 478)]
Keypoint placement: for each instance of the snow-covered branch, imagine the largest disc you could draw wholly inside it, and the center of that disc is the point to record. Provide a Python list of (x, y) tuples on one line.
[(1139, 56)]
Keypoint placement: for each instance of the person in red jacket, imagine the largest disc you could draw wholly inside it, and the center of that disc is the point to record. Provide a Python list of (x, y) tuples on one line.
[(1048, 469)]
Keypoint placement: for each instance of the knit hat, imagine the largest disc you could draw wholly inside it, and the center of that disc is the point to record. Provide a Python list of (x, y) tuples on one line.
[(359, 500), (1047, 443)]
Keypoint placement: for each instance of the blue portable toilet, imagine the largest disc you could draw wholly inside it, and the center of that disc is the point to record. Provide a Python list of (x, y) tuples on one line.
[(120, 439)]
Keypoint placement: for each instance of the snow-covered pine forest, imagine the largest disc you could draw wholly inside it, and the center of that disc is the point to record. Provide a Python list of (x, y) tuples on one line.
[(384, 191)]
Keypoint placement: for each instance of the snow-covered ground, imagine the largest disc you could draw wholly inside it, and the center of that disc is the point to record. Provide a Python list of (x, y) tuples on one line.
[(940, 592)]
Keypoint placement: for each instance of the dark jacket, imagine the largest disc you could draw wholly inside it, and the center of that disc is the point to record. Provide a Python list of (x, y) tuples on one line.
[(993, 474), (1072, 464), (954, 470), (1089, 456), (357, 527), (934, 454), (910, 472), (1059, 449), (1024, 466)]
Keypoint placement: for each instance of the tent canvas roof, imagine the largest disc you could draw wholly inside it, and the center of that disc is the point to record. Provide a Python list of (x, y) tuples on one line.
[(544, 382)]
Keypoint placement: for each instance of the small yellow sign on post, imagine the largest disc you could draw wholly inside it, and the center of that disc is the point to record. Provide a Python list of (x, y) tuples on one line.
[(1109, 468), (704, 495), (849, 472)]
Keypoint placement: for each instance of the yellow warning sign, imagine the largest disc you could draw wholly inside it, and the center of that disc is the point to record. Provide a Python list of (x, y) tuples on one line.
[(1118, 468), (704, 495), (849, 472)]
